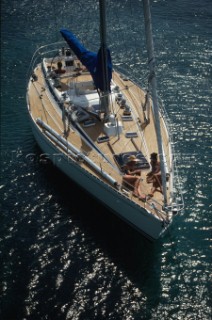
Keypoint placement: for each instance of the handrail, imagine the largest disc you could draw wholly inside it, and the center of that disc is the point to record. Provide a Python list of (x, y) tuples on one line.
[(38, 53), (77, 152)]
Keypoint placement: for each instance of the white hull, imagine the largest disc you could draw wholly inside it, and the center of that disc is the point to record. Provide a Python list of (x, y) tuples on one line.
[(146, 223), (91, 120)]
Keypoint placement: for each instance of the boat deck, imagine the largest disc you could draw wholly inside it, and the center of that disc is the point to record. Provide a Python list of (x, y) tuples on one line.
[(43, 106)]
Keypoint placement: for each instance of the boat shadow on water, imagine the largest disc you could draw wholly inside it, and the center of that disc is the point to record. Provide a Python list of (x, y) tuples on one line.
[(71, 250), (101, 249)]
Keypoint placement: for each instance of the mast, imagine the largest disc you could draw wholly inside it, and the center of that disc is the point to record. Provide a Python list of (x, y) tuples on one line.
[(106, 88), (153, 82)]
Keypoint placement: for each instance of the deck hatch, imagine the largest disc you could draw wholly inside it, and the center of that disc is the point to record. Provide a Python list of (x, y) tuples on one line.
[(122, 158)]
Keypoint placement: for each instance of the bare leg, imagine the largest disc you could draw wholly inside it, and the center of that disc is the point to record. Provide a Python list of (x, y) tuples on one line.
[(152, 190), (135, 182), (138, 190), (156, 184), (131, 181)]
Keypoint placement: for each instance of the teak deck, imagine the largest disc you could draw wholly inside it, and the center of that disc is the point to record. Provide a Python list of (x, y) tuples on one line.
[(44, 107)]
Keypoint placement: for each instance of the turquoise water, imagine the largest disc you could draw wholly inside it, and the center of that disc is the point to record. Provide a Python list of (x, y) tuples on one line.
[(60, 260)]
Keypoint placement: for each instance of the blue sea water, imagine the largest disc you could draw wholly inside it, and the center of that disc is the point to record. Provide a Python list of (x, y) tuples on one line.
[(63, 255)]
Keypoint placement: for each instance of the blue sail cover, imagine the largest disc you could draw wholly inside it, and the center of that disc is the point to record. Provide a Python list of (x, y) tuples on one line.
[(91, 60)]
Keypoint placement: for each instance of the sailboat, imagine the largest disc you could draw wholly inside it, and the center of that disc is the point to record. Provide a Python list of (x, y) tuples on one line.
[(92, 121)]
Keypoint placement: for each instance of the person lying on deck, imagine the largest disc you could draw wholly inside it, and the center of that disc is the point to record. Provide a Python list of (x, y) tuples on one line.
[(132, 177), (154, 176)]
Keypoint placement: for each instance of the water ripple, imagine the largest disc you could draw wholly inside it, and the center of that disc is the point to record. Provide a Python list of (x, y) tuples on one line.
[(58, 260)]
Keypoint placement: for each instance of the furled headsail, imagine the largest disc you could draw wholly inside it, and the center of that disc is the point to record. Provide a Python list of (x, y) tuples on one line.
[(91, 60)]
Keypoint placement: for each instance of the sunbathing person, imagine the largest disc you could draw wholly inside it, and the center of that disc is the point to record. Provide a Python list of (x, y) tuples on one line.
[(154, 176), (132, 177)]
